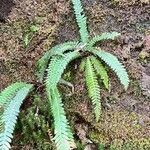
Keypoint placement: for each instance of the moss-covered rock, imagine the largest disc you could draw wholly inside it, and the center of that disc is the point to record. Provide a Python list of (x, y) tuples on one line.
[(121, 130)]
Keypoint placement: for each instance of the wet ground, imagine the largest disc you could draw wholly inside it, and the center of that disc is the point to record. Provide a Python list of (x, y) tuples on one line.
[(125, 120)]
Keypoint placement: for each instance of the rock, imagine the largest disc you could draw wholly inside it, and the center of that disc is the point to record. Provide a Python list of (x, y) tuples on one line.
[(145, 82), (5, 8)]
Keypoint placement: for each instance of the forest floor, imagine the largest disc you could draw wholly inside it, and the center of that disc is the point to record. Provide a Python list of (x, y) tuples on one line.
[(125, 120)]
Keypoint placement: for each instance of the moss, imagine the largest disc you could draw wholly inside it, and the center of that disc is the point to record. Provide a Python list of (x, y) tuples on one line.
[(129, 2), (138, 144), (136, 88), (144, 56), (119, 130), (35, 119)]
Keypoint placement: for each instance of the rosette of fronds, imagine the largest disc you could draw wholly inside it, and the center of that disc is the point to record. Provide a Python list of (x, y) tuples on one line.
[(93, 61), (11, 99)]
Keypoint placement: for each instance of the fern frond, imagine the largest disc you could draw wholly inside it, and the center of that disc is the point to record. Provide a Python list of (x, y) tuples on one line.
[(93, 88), (81, 20), (63, 135), (57, 66), (11, 111), (115, 65), (56, 50), (82, 65), (101, 71), (9, 92), (103, 36)]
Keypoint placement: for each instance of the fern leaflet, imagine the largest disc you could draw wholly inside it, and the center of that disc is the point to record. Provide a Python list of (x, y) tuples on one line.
[(116, 66), (9, 116), (81, 20), (56, 50), (101, 71), (103, 36), (93, 88)]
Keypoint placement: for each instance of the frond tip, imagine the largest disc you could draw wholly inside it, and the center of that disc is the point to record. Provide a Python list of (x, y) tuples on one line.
[(63, 135), (81, 20), (10, 112), (93, 88)]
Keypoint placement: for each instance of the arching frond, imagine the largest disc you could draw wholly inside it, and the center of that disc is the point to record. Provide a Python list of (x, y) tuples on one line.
[(115, 65), (102, 37), (56, 50), (81, 20), (63, 135), (93, 88), (100, 70), (10, 112), (10, 91), (57, 66)]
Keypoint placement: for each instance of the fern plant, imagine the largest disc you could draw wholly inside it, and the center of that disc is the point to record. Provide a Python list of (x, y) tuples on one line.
[(54, 62), (10, 101)]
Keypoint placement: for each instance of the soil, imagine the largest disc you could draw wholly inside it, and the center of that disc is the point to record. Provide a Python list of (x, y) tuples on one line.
[(126, 114)]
